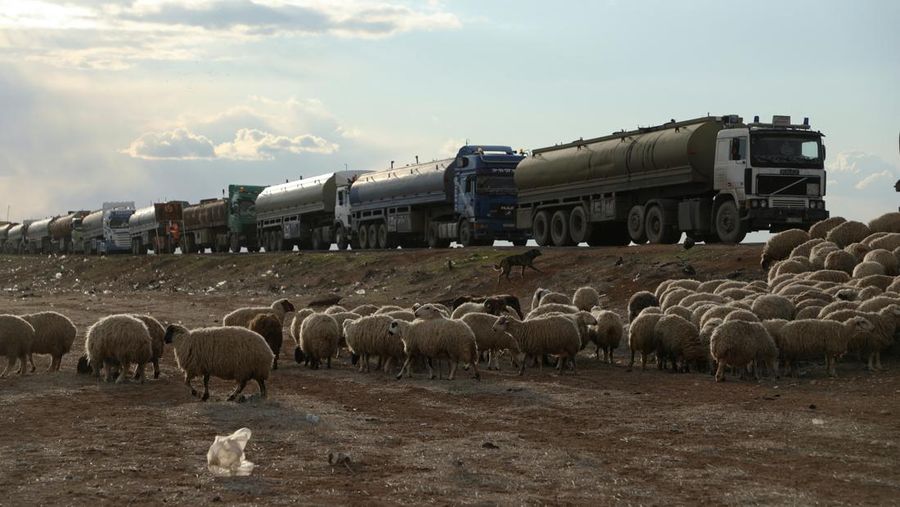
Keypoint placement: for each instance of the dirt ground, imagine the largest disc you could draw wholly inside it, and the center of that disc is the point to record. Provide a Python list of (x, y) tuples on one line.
[(605, 435)]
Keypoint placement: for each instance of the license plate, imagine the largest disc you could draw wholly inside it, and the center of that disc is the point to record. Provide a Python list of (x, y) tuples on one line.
[(794, 220)]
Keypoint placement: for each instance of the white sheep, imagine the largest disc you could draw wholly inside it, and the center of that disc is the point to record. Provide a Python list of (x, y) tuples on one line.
[(243, 316), (889, 241), (889, 222), (544, 309), (864, 269), (841, 260), (437, 339), (848, 232), (369, 336), (365, 310), (871, 344), (388, 309), (639, 301), (607, 333), (642, 336), (858, 251), (319, 339), (773, 306), (536, 297), (331, 310), (821, 228), (780, 246), (157, 340), (54, 334), (116, 341), (296, 322), (489, 340), (885, 258), (804, 249), (554, 298), (586, 298), (678, 341), (740, 344), (550, 335), (16, 335), (804, 339)]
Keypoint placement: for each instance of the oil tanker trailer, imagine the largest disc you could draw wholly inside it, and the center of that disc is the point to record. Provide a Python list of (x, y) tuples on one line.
[(714, 178), (470, 198), (310, 213), (105, 231), (4, 234), (157, 227), (62, 230), (15, 237), (37, 237), (223, 224)]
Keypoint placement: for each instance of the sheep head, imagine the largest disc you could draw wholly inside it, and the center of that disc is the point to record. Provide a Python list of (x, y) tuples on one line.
[(494, 306), (397, 327), (428, 311), (174, 330), (502, 324), (84, 366), (285, 305)]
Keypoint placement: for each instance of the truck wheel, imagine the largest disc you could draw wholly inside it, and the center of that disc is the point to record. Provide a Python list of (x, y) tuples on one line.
[(636, 227), (373, 236), (541, 228), (340, 237), (729, 228), (579, 225), (559, 228), (278, 241), (363, 237), (316, 242), (660, 227), (383, 238), (466, 236), (519, 242), (235, 243)]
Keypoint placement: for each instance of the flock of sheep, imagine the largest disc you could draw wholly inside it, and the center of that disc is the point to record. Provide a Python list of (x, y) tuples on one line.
[(830, 291)]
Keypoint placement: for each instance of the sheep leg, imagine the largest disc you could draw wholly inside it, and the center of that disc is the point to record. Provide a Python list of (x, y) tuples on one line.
[(205, 387), (869, 366), (631, 363), (31, 360), (139, 373), (274, 363), (122, 374), (574, 366), (524, 362), (187, 382), (9, 364), (430, 369), (720, 372), (453, 365), (643, 361), (328, 363), (237, 391), (477, 375), (54, 363), (262, 388), (830, 366), (404, 367), (878, 361)]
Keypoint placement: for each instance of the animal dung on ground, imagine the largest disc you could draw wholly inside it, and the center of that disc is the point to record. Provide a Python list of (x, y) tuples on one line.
[(225, 457)]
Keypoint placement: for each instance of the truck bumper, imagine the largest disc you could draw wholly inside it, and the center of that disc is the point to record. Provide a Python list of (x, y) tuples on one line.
[(504, 231), (780, 219)]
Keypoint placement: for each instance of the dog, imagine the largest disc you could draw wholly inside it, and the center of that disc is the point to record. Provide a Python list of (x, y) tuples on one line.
[(524, 260)]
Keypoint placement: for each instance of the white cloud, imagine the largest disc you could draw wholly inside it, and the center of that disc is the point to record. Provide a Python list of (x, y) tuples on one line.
[(177, 144), (868, 180), (252, 144)]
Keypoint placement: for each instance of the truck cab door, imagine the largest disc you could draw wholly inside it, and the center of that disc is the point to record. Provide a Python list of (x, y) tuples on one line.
[(732, 165), (465, 194), (342, 206)]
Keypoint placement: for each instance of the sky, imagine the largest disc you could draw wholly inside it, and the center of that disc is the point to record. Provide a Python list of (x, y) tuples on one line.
[(149, 100)]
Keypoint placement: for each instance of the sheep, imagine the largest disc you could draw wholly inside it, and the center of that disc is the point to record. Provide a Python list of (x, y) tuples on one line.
[(116, 341), (440, 307), (887, 242), (889, 222), (878, 303), (319, 337), (340, 317), (710, 286), (388, 309), (269, 327), (606, 333), (331, 310), (701, 310), (227, 352), (489, 340), (872, 237), (365, 310), (488, 306), (673, 297), (437, 339), (243, 316), (810, 312), (858, 251), (299, 317), (837, 306), (772, 306), (847, 233), (53, 335), (841, 260), (405, 315), (538, 294), (544, 309), (829, 275), (554, 298), (586, 298), (510, 302), (16, 336), (680, 311), (874, 281), (870, 344), (642, 336), (739, 305), (157, 340), (736, 294), (894, 287), (678, 341), (369, 336), (730, 284), (821, 228), (705, 334), (820, 252), (802, 339), (706, 297), (681, 283), (638, 302), (553, 334), (864, 269), (740, 343), (780, 246), (885, 258), (803, 249), (793, 265), (582, 320)]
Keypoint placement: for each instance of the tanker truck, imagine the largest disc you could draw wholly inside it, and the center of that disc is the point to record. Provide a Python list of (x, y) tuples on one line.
[(714, 178), (157, 227), (15, 237), (62, 231), (4, 234), (470, 198), (311, 213), (105, 231), (37, 237), (223, 224)]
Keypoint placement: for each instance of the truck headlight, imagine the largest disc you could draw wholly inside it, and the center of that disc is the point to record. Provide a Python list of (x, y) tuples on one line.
[(812, 189)]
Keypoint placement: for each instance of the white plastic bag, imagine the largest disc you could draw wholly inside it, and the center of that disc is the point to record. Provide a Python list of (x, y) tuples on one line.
[(226, 455)]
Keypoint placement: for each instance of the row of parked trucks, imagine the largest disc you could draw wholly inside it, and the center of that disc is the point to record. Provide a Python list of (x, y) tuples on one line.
[(714, 178)]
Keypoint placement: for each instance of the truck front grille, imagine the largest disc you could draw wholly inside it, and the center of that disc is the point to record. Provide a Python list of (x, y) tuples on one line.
[(780, 202), (767, 184)]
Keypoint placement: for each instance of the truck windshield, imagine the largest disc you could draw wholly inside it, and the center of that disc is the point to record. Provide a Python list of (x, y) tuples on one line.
[(768, 149), (119, 221), (496, 185), (245, 207)]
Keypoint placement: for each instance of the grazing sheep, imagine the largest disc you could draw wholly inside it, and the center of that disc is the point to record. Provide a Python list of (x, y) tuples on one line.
[(466, 308), (433, 339), (227, 352), (706, 331), (489, 340), (889, 241), (269, 327), (340, 317), (388, 309), (607, 333), (583, 321), (821, 228), (871, 344), (638, 302), (829, 275), (680, 311), (804, 339), (365, 310), (864, 269), (586, 298), (368, 336), (554, 298), (16, 335), (405, 315), (810, 312), (894, 287), (157, 340), (793, 265), (53, 335), (878, 303), (858, 251), (551, 335), (673, 296), (704, 297), (299, 317), (820, 252), (116, 341), (678, 341), (841, 260), (719, 312), (642, 336), (319, 337), (243, 316), (730, 284), (772, 306), (536, 298), (331, 310), (889, 222), (875, 283), (700, 311), (885, 258), (740, 343), (744, 315), (544, 309), (804, 249), (847, 233), (780, 245), (837, 306), (710, 286), (511, 302)]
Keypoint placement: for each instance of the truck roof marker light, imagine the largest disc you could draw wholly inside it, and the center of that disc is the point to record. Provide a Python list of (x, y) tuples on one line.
[(806, 121), (756, 119)]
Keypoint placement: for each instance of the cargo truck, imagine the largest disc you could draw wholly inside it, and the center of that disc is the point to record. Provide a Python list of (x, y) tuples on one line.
[(157, 227), (105, 231), (223, 224), (37, 237), (310, 213), (714, 178), (470, 198), (15, 237), (62, 230), (4, 234)]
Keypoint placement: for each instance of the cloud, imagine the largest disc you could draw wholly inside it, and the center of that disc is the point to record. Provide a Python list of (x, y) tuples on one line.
[(860, 185), (252, 144), (177, 144), (868, 180)]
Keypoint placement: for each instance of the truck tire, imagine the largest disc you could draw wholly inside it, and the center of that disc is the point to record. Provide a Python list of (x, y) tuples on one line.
[(580, 226), (278, 241), (234, 243), (373, 236), (316, 241), (519, 242), (383, 237), (434, 240), (559, 228), (637, 230), (466, 235), (660, 226), (729, 227), (340, 237), (540, 227), (362, 237)]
